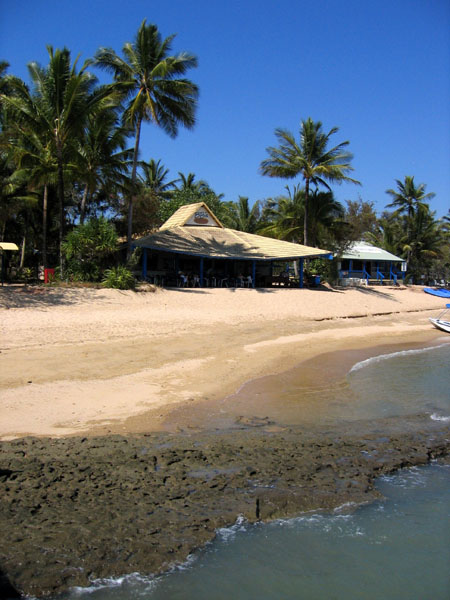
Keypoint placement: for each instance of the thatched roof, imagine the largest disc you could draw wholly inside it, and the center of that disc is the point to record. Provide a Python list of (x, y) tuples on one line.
[(8, 246), (181, 234), (192, 214)]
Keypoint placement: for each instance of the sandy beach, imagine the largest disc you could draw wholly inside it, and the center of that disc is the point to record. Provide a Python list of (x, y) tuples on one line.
[(106, 361)]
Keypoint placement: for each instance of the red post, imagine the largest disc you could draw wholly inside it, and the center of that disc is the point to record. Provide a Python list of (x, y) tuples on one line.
[(49, 275)]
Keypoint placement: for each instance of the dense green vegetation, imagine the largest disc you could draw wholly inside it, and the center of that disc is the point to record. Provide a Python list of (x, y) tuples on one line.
[(74, 189)]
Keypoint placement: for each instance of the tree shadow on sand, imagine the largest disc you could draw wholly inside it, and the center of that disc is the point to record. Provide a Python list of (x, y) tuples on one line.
[(30, 296), (375, 292)]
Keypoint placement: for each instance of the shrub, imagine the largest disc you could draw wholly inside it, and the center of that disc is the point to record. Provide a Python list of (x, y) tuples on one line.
[(119, 278), (87, 248), (24, 274), (327, 269)]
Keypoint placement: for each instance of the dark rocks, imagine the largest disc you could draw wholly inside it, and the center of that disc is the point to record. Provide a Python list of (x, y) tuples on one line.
[(74, 509)]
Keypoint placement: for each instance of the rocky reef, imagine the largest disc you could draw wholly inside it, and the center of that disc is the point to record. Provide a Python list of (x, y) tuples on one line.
[(76, 509)]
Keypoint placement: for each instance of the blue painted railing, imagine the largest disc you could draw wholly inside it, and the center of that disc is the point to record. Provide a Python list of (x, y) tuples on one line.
[(393, 275), (379, 276)]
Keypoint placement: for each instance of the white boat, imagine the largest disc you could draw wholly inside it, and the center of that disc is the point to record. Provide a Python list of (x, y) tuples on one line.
[(443, 319)]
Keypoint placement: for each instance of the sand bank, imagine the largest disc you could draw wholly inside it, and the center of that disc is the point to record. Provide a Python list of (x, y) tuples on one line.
[(104, 361)]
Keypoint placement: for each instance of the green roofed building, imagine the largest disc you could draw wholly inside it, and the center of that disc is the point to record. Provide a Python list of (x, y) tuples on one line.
[(363, 263), (193, 246)]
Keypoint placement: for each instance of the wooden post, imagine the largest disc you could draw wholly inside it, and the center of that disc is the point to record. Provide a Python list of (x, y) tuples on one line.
[(144, 264), (201, 271), (300, 273)]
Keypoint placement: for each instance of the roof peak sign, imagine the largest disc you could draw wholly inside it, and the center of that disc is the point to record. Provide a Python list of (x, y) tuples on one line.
[(189, 215), (203, 217)]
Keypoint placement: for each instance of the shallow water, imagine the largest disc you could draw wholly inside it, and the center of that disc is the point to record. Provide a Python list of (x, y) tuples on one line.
[(393, 549), (316, 393), (408, 382)]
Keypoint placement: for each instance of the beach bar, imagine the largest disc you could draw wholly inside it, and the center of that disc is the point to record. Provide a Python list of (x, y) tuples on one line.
[(193, 248), (365, 264)]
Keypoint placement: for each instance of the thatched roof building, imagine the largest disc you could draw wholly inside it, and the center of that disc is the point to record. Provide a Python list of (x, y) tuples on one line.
[(193, 231)]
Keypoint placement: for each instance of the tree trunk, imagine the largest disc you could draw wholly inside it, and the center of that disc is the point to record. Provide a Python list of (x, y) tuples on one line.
[(22, 251), (61, 210), (305, 218), (133, 185), (83, 204), (44, 226)]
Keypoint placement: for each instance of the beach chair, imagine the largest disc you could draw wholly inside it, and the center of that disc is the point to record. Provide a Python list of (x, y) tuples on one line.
[(182, 280)]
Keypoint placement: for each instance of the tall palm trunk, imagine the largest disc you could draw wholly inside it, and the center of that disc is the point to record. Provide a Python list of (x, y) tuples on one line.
[(44, 226), (22, 251), (61, 209), (133, 186), (83, 204), (305, 217)]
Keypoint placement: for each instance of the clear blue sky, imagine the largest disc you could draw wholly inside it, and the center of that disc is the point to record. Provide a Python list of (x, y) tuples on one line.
[(379, 70)]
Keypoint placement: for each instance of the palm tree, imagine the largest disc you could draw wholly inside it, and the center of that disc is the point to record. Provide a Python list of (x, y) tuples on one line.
[(310, 158), (8, 194), (284, 216), (102, 155), (445, 225), (409, 200), (387, 234), (25, 148), (187, 182), (246, 218), (326, 216), (57, 109), (155, 91), (36, 165), (15, 201), (154, 176), (421, 240), (426, 241), (3, 79)]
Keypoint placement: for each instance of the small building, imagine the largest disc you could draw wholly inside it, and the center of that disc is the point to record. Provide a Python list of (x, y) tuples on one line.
[(193, 246), (363, 263), (3, 247)]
